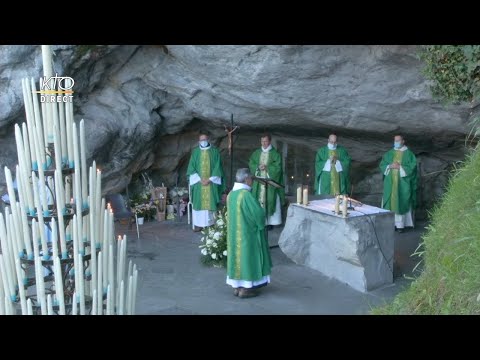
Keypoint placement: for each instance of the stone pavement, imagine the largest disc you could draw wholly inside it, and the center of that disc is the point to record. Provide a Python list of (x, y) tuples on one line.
[(172, 279)]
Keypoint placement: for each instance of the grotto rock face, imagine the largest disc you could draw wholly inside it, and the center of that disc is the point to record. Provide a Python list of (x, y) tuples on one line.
[(143, 105)]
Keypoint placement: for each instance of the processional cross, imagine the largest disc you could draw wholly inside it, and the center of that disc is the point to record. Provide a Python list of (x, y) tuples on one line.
[(230, 130)]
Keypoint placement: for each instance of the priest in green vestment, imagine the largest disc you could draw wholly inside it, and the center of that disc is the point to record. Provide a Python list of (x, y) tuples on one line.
[(332, 168), (267, 162), (399, 169), (207, 182), (248, 256)]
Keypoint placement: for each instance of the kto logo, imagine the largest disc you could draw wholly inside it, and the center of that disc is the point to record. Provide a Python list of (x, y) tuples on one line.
[(49, 86)]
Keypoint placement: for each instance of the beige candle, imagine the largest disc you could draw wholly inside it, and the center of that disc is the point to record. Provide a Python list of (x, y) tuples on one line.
[(337, 204), (344, 206), (299, 194), (305, 195)]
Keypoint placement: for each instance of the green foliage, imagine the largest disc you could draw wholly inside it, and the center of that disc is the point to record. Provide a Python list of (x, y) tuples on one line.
[(450, 282), (454, 71)]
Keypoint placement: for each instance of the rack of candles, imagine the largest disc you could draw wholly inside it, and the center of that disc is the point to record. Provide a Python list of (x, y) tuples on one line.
[(59, 258)]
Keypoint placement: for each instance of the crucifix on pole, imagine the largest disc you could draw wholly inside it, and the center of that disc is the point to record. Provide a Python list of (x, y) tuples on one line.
[(229, 131)]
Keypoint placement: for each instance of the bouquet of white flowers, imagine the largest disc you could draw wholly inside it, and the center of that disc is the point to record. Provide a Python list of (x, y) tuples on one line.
[(214, 241)]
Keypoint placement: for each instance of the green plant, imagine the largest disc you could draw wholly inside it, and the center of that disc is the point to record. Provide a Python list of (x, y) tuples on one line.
[(214, 241), (454, 71)]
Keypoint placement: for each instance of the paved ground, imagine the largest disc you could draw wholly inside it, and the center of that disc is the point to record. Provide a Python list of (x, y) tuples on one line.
[(173, 281)]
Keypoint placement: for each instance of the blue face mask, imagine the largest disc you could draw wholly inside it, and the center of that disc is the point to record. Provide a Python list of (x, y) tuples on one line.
[(332, 146), (397, 144), (203, 143)]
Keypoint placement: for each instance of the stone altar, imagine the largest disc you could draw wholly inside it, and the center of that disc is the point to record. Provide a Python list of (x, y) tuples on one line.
[(357, 250)]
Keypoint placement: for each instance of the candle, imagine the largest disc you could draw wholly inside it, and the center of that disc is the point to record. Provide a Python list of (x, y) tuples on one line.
[(344, 206), (8, 282), (135, 281), (63, 133), (93, 261), (40, 285), (99, 285), (111, 274), (74, 304), (38, 118), (337, 204), (109, 301), (29, 307), (26, 236), (128, 308), (94, 302), (21, 288), (60, 207), (299, 194), (39, 216), (59, 285), (69, 130), (47, 61), (122, 296), (83, 159), (28, 163), (305, 196), (81, 284), (54, 239), (58, 149), (49, 305)]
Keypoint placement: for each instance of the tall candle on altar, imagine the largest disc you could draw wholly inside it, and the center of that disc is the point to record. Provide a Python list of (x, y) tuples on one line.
[(344, 206), (305, 195), (299, 194), (337, 204)]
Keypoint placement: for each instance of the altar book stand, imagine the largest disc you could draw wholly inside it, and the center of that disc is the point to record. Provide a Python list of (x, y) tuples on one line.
[(267, 182)]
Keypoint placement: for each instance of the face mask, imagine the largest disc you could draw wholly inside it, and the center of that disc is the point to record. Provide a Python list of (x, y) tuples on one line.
[(397, 144), (203, 143), (332, 146)]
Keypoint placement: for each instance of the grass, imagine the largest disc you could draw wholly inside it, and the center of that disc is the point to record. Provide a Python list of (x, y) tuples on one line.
[(450, 281)]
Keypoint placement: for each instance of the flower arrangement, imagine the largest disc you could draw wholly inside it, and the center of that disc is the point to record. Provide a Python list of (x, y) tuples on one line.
[(146, 211), (214, 241)]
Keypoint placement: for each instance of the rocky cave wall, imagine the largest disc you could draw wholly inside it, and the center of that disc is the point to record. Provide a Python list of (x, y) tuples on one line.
[(143, 106)]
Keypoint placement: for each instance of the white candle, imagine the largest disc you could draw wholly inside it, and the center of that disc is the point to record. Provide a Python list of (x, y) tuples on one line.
[(135, 282), (58, 149), (40, 285), (54, 238), (68, 191), (29, 307), (47, 61), (83, 160), (109, 301), (50, 305), (130, 296), (21, 288), (299, 194), (28, 163), (8, 282), (63, 133), (111, 274), (93, 249), (344, 206), (122, 299), (39, 216), (81, 284), (74, 304), (59, 285), (61, 222), (105, 249), (76, 265), (337, 205), (99, 285), (38, 116), (94, 302), (305, 196), (69, 131), (26, 236), (8, 256), (41, 177)]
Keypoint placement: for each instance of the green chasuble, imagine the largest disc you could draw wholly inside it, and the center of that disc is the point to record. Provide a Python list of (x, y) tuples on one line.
[(273, 160), (248, 253), (399, 193), (332, 182), (206, 163)]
